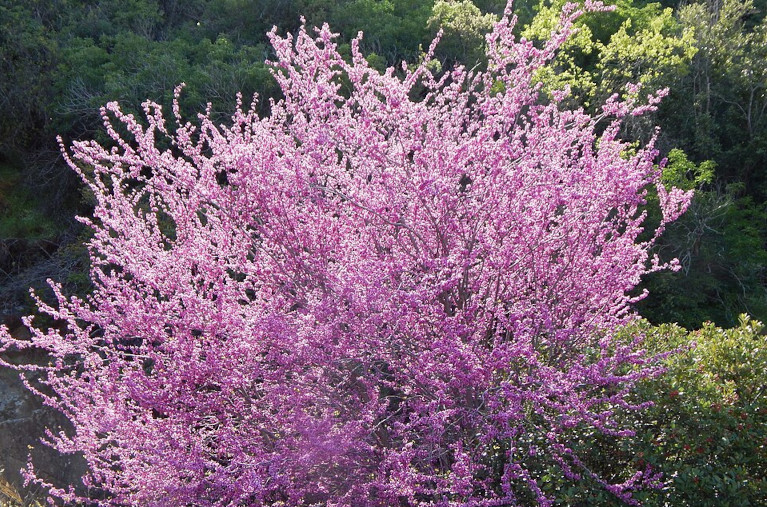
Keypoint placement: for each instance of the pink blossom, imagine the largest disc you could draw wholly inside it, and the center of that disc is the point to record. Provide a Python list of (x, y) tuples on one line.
[(376, 295)]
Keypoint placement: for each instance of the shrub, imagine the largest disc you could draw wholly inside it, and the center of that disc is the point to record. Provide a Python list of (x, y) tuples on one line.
[(394, 295), (706, 432), (708, 429)]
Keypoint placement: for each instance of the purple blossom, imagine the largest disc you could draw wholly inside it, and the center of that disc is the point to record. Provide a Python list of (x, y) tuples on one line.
[(376, 295)]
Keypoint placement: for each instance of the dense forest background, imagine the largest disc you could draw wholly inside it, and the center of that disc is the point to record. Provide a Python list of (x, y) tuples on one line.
[(61, 60)]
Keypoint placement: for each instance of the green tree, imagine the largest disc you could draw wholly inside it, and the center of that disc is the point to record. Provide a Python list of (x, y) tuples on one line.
[(717, 113), (27, 57), (642, 45), (394, 29), (463, 28), (728, 90)]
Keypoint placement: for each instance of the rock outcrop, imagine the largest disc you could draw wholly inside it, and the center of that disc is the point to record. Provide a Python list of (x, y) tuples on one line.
[(23, 421)]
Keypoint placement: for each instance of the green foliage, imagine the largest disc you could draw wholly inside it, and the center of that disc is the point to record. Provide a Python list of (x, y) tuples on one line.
[(27, 55), (28, 235), (631, 44), (574, 66), (728, 87), (20, 217), (708, 428), (464, 28), (393, 29), (680, 172), (706, 432), (720, 244), (245, 22), (650, 48), (131, 69), (711, 56)]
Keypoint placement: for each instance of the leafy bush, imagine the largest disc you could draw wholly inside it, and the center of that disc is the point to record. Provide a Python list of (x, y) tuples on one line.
[(706, 433), (708, 429)]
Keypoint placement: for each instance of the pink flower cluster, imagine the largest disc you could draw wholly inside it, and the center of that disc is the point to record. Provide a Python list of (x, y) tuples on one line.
[(396, 289)]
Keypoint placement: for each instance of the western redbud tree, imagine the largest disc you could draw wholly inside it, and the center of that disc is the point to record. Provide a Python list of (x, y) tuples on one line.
[(397, 288)]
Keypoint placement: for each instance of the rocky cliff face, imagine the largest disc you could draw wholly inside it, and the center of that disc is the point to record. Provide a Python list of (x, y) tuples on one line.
[(23, 420)]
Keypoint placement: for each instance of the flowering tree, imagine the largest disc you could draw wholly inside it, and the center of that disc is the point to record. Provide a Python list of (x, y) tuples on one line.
[(390, 291)]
